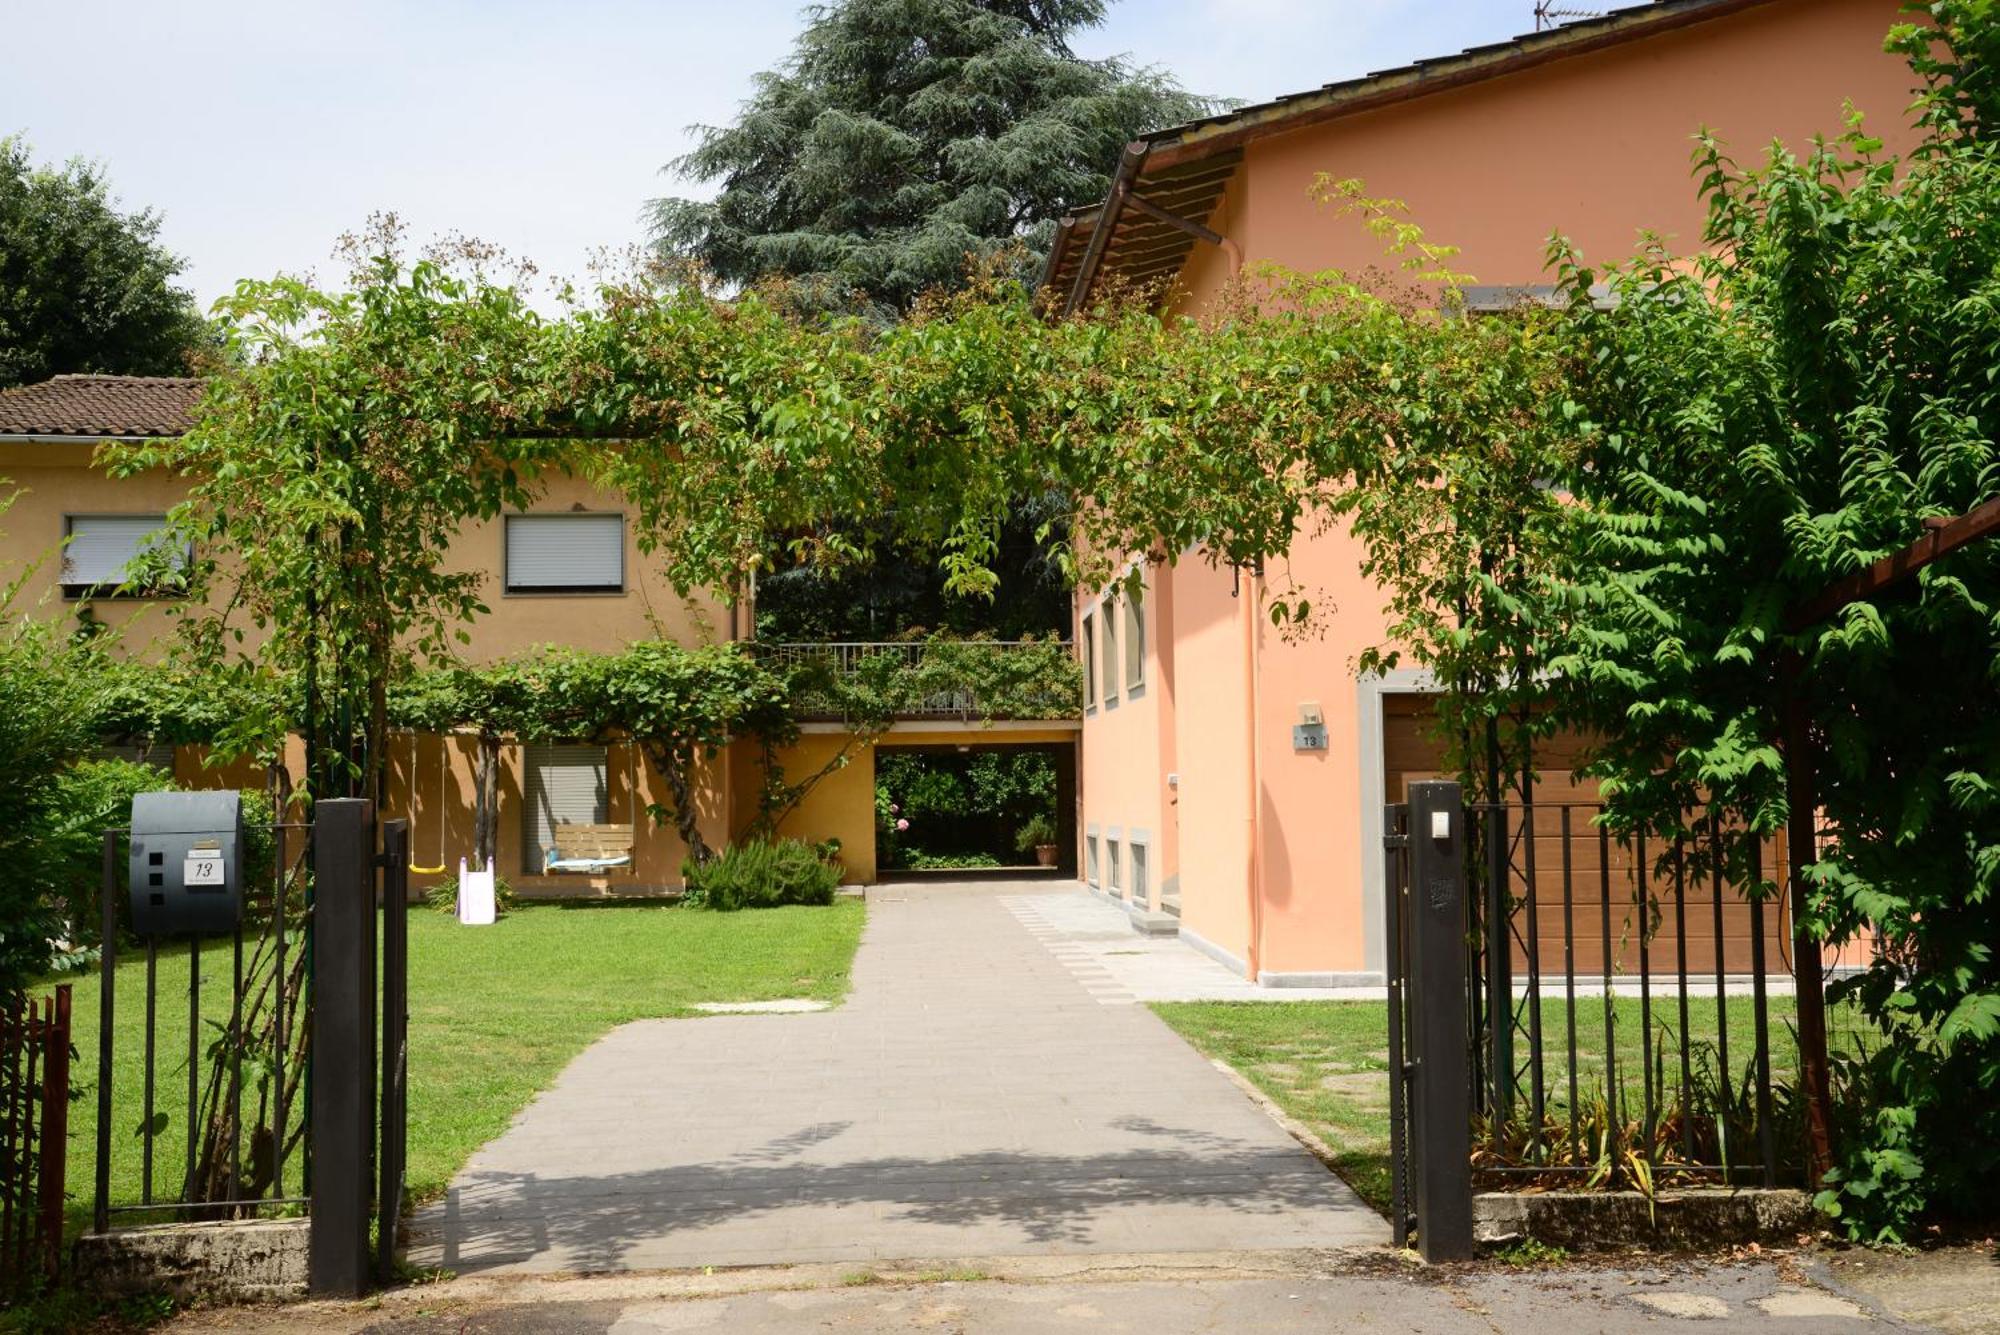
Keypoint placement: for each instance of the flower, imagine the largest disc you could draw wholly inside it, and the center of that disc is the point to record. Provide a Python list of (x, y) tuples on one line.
[(902, 825), (895, 810)]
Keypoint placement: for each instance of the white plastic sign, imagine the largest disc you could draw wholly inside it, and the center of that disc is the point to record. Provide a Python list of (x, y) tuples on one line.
[(203, 866)]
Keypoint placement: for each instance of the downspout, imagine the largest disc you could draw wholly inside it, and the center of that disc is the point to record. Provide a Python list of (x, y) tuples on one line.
[(1129, 164)]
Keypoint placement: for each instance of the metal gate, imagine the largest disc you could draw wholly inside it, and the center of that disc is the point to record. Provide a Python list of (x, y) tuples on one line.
[(1572, 1007), (273, 1107)]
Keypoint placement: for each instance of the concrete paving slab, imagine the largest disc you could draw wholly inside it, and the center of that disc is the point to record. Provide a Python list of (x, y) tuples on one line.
[(971, 1098)]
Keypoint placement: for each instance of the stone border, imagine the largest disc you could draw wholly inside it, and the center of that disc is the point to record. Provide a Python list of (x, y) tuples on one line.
[(1699, 1218), (241, 1259)]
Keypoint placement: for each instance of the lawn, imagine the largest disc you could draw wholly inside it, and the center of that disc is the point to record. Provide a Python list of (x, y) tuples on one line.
[(495, 1013), (1326, 1062)]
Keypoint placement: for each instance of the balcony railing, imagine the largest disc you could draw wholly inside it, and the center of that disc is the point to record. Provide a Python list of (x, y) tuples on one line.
[(960, 680)]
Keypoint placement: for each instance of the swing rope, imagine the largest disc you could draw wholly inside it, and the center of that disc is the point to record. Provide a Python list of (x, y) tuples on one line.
[(443, 767)]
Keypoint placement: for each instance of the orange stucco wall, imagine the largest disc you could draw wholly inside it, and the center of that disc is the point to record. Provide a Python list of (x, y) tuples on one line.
[(1595, 147)]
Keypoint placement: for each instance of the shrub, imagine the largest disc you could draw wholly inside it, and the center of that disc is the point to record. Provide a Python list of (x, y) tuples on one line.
[(1038, 832), (759, 875), (87, 798), (922, 861)]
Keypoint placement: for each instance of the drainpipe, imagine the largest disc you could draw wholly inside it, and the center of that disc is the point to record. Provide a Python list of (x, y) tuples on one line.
[(1253, 757)]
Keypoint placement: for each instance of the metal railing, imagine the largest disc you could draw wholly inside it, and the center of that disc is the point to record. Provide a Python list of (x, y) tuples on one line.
[(902, 667), (1574, 926), (34, 1138)]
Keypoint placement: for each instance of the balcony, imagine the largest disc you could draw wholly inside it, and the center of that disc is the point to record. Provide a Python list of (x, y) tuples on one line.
[(963, 681)]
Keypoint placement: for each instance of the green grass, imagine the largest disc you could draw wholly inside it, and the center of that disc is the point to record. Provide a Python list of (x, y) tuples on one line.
[(495, 1013), (1326, 1062)]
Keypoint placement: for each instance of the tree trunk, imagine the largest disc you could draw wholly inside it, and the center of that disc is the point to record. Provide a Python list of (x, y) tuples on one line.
[(680, 789), (485, 799)]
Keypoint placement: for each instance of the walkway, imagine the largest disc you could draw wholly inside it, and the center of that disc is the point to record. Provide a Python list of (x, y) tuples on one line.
[(972, 1098)]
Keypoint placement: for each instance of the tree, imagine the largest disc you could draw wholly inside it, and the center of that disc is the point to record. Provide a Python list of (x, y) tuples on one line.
[(1784, 410), (904, 136), (85, 287), (329, 474)]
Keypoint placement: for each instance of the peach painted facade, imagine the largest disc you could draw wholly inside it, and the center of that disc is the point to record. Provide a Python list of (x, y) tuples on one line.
[(1276, 851), (431, 778)]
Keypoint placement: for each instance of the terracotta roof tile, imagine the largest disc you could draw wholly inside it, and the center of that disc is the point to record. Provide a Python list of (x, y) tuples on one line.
[(101, 405)]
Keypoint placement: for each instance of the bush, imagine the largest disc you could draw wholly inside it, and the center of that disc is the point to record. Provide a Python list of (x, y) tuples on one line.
[(88, 797), (922, 861), (761, 875), (1039, 832)]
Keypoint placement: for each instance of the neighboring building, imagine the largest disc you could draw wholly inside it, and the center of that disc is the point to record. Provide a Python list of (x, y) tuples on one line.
[(1198, 810), (568, 571)]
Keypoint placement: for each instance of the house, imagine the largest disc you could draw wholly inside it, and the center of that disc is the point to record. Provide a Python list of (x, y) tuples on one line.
[(567, 571), (1203, 810)]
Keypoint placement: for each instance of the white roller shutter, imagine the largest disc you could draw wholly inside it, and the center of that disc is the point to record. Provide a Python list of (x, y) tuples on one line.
[(100, 547), (565, 552), (565, 785)]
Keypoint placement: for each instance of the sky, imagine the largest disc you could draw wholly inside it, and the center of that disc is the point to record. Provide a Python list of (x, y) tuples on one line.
[(262, 129)]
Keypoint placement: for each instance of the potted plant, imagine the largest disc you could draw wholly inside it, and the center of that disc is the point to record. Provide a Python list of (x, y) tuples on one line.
[(1038, 836)]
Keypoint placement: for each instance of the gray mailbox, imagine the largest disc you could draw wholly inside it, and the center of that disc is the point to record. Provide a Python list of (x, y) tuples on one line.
[(187, 862)]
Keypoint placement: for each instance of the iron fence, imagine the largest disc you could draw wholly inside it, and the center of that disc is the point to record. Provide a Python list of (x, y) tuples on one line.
[(34, 1138), (256, 1045), (1620, 1021)]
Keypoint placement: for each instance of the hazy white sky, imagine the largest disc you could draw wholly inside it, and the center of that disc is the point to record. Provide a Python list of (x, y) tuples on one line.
[(262, 129)]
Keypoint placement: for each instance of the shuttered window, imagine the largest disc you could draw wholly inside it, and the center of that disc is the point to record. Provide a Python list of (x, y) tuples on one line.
[(1109, 659), (1089, 661), (99, 548), (1135, 642), (1090, 859), (565, 553), (565, 785)]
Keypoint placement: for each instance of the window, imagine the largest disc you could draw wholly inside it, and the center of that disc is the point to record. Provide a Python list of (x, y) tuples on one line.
[(98, 551), (565, 785), (1110, 657), (1090, 859), (1117, 881), (1142, 893), (1135, 643), (1090, 663), (565, 553)]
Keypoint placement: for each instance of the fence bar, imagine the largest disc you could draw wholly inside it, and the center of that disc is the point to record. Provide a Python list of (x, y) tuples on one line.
[(152, 1008), (280, 880), (236, 1055), (1766, 1145), (1499, 969), (194, 1059), (1569, 973), (1610, 1021), (107, 995), (342, 1098), (1721, 985), (1642, 901), (1442, 1122), (1396, 876), (395, 1041), (13, 1136), (1538, 1095), (1681, 957), (55, 1130)]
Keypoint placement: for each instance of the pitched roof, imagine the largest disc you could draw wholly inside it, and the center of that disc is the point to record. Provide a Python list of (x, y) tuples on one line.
[(101, 405), (1169, 182)]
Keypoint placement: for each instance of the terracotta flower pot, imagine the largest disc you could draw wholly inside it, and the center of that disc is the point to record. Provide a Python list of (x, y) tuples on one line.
[(1045, 855)]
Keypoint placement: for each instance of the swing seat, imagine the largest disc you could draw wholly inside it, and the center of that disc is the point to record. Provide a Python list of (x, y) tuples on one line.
[(587, 850)]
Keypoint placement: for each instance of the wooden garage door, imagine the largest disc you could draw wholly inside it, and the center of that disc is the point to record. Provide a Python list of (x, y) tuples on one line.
[(1675, 900)]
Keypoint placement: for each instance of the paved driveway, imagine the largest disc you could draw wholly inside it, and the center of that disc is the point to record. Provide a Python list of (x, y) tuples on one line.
[(972, 1098)]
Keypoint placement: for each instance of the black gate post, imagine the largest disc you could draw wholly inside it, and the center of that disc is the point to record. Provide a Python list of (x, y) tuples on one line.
[(343, 1044), (1441, 1111)]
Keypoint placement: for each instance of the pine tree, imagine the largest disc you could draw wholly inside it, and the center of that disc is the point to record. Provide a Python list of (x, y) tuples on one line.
[(904, 138)]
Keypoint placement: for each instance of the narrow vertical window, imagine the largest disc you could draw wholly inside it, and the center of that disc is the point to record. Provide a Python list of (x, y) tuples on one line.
[(1108, 662), (1135, 641), (1089, 649)]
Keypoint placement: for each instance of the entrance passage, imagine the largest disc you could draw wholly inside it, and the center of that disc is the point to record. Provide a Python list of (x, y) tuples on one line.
[(970, 1099), (976, 807)]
